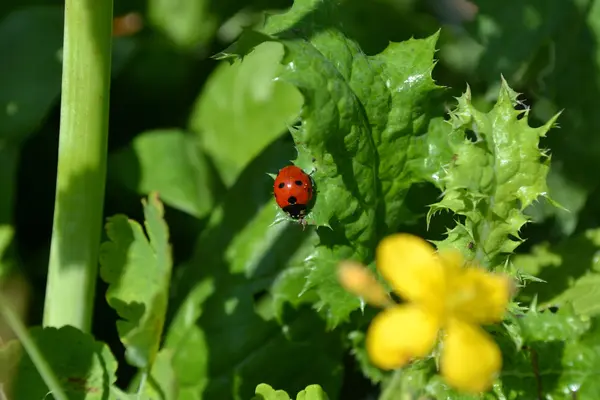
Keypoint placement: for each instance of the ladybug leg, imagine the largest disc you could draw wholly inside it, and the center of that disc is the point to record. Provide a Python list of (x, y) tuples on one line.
[(312, 180), (303, 223)]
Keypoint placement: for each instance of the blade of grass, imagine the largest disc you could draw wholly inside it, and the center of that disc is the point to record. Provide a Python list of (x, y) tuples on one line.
[(32, 350), (81, 164)]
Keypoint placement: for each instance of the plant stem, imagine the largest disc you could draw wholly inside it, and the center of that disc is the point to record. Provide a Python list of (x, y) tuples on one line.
[(81, 164), (32, 350), (140, 392), (393, 388)]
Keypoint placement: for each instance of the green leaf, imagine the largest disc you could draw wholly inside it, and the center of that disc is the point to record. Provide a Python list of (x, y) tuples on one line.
[(162, 382), (499, 171), (360, 118), (359, 351), (420, 380), (534, 44), (546, 355), (187, 23), (412, 96), (85, 367), (138, 270), (289, 288), (243, 108), (188, 343), (561, 356), (171, 163), (229, 332), (266, 392), (547, 326), (312, 392), (394, 114), (439, 389), (570, 273), (430, 155)]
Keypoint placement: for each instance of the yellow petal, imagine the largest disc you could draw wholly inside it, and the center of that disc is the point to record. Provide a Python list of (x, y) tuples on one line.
[(470, 360), (358, 280), (411, 266), (477, 295), (399, 334)]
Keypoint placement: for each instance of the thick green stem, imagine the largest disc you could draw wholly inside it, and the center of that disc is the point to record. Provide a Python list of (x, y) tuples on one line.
[(81, 164)]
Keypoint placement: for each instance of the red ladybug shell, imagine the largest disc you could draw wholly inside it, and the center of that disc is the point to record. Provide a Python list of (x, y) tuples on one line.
[(293, 191)]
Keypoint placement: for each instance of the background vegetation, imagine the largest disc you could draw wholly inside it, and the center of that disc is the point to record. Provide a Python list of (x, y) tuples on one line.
[(204, 133)]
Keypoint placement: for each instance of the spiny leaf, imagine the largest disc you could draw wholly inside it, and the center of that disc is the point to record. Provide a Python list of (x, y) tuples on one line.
[(549, 327), (499, 171), (560, 358), (359, 351), (570, 273), (538, 42), (403, 70), (138, 270), (557, 356), (361, 117), (432, 154), (437, 388), (363, 171)]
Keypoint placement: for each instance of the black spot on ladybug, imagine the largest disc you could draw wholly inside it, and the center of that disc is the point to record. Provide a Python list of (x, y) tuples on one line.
[(281, 185), (298, 183), (292, 200)]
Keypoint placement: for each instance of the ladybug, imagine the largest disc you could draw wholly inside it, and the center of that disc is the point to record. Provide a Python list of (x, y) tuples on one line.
[(293, 190)]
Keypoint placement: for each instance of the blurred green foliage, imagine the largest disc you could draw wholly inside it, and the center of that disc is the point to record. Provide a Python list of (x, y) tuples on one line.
[(254, 298)]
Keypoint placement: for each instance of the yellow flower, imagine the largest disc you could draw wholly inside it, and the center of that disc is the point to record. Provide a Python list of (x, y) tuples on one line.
[(443, 297)]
